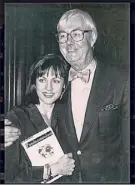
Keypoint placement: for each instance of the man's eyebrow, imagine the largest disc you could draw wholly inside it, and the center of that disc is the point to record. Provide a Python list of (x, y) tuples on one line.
[(78, 28), (61, 31)]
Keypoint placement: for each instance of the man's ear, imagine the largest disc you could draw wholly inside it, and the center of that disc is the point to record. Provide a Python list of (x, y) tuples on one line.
[(92, 37)]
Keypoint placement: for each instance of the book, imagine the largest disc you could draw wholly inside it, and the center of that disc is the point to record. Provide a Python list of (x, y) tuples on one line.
[(43, 148)]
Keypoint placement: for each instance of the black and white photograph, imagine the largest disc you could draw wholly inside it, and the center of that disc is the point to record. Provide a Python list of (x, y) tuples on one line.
[(67, 68)]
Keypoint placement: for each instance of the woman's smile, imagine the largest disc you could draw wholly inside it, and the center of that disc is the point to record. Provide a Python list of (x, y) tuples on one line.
[(48, 95)]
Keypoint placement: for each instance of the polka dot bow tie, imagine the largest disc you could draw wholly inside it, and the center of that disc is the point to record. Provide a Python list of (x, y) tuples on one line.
[(84, 75)]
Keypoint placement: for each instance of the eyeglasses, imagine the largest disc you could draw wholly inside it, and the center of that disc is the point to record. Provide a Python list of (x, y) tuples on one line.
[(77, 35)]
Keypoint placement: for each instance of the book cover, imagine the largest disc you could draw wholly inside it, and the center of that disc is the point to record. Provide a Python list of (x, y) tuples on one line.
[(43, 148)]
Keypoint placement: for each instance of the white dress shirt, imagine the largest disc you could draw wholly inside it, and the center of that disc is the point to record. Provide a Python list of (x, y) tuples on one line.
[(80, 92)]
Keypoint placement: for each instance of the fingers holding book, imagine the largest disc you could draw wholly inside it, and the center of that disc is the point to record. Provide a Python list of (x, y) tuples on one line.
[(64, 166)]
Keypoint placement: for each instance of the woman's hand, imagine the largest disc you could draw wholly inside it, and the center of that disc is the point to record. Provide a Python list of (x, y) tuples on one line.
[(65, 165), (11, 133)]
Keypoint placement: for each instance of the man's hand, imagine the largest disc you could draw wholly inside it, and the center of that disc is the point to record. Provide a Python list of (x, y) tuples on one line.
[(11, 133)]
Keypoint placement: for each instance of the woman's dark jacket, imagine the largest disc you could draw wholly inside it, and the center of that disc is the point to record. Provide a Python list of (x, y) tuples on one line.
[(18, 168)]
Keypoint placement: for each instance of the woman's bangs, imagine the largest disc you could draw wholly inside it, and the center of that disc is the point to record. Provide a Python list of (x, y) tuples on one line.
[(42, 71), (57, 71)]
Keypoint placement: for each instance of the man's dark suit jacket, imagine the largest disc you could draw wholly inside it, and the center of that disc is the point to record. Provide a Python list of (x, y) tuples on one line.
[(18, 168), (104, 146)]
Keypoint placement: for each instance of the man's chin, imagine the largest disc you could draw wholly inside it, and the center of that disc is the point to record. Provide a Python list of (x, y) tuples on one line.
[(72, 60)]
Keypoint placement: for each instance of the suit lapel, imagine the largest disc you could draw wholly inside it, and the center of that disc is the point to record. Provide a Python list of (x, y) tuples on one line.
[(36, 118), (69, 120), (54, 117), (99, 89)]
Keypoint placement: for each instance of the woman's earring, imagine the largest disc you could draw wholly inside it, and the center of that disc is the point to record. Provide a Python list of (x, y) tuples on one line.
[(62, 93)]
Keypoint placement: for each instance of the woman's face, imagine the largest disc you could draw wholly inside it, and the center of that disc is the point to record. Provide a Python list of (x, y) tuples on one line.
[(49, 87)]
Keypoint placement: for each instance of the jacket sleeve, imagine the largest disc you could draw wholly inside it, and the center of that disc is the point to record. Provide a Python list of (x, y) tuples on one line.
[(18, 168), (13, 154), (12, 157)]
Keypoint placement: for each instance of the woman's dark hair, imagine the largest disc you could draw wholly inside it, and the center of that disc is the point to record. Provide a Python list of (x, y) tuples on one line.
[(41, 67)]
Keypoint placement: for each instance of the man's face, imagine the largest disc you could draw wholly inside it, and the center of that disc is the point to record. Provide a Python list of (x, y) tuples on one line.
[(75, 53)]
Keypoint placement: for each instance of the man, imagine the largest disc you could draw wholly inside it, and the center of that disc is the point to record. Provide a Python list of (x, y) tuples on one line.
[(97, 114)]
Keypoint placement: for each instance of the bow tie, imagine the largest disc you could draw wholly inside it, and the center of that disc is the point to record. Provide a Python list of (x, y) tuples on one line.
[(84, 75)]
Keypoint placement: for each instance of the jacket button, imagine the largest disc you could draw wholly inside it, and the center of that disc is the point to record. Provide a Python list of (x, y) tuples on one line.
[(79, 152)]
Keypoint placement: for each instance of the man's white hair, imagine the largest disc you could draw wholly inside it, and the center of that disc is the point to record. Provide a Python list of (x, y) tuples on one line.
[(90, 24)]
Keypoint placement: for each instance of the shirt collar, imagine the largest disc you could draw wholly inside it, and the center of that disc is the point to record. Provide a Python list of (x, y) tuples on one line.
[(91, 66)]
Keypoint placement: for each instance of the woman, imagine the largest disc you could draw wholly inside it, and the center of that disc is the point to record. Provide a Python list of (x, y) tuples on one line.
[(47, 83)]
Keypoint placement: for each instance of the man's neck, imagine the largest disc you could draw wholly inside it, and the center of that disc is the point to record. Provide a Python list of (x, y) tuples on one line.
[(79, 67)]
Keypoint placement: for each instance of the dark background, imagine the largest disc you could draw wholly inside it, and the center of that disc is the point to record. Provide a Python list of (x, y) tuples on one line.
[(29, 34)]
